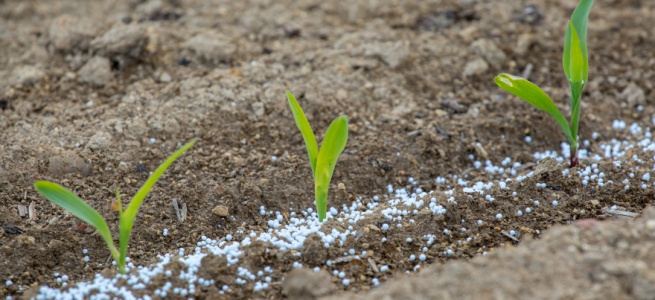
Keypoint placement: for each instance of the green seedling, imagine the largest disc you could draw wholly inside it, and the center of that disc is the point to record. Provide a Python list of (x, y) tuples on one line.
[(76, 206), (322, 162), (575, 64)]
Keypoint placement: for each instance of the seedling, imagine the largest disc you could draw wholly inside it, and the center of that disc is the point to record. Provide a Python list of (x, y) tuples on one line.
[(575, 64), (76, 206), (323, 161)]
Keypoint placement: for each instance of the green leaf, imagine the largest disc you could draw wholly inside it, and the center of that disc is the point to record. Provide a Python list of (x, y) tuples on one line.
[(128, 216), (76, 206), (333, 144), (579, 21), (576, 62), (532, 94), (576, 94), (306, 130), (577, 81)]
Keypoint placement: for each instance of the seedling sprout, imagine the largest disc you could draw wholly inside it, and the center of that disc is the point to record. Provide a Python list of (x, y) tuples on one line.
[(324, 160), (575, 64), (76, 206)]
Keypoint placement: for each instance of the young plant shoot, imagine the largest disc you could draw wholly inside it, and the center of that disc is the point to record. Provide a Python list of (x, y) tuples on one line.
[(76, 206), (575, 64), (322, 162)]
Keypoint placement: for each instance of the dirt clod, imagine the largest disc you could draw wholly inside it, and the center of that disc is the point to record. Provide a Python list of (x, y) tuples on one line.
[(490, 51), (96, 71), (221, 211), (121, 40), (307, 284), (66, 163), (27, 75)]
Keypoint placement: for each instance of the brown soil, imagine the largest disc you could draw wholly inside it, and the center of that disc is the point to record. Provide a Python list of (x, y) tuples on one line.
[(587, 260), (85, 85)]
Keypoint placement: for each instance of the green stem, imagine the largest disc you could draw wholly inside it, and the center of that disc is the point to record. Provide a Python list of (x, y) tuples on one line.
[(120, 258), (576, 94)]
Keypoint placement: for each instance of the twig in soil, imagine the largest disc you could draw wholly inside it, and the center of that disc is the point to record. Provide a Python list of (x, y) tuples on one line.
[(177, 208), (480, 151), (619, 213), (32, 211), (413, 133), (467, 171), (526, 166), (359, 234), (22, 210), (345, 259), (505, 233), (181, 214), (373, 265), (527, 71)]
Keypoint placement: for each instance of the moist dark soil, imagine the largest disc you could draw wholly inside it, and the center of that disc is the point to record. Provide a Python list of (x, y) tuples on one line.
[(94, 95)]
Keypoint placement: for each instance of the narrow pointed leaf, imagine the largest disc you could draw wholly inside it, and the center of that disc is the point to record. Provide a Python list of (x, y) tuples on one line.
[(577, 79), (532, 94), (333, 144), (127, 217), (306, 130), (576, 62), (67, 200), (579, 20)]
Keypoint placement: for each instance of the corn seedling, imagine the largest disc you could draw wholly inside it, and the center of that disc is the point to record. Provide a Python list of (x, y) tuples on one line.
[(575, 64), (76, 206), (322, 162)]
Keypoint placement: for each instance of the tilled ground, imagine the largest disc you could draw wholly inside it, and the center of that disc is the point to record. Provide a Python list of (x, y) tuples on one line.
[(94, 95)]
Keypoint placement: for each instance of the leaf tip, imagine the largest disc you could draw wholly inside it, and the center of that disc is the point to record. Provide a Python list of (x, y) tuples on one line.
[(503, 80), (41, 184)]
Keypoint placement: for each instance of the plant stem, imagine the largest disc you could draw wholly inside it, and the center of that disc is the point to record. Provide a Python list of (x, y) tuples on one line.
[(574, 157)]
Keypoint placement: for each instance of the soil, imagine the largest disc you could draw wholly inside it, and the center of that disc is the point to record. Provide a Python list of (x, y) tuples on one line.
[(587, 260), (94, 95)]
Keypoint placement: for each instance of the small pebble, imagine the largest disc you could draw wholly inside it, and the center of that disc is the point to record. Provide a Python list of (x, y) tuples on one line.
[(222, 211)]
